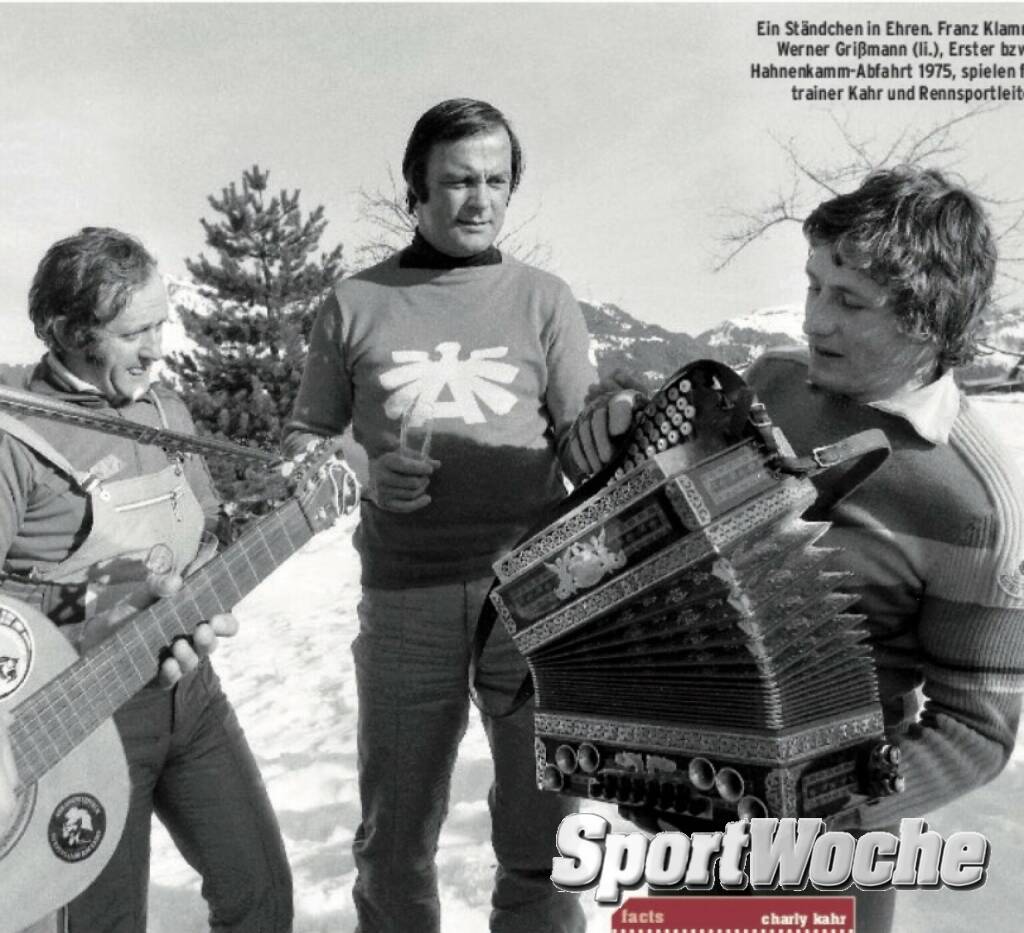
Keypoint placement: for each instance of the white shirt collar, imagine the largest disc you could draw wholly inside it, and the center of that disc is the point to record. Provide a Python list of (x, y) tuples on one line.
[(930, 410)]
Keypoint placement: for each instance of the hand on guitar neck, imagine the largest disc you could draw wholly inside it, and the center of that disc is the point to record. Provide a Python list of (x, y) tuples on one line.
[(184, 654)]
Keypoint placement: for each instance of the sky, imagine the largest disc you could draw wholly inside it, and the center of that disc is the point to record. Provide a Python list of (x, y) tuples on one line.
[(643, 130)]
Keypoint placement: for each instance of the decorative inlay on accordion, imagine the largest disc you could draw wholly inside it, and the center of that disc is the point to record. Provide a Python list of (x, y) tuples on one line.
[(689, 647)]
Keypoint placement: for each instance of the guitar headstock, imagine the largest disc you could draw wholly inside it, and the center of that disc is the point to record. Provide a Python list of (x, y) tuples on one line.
[(323, 483)]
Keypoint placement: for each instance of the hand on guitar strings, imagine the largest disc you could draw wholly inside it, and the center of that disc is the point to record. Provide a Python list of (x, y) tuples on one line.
[(185, 653), (595, 436), (8, 773)]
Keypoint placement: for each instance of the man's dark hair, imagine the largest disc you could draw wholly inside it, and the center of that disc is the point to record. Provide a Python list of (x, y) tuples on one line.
[(447, 122), (86, 279), (925, 239)]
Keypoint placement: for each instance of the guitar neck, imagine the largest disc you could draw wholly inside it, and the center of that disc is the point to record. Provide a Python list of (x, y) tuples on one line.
[(61, 714)]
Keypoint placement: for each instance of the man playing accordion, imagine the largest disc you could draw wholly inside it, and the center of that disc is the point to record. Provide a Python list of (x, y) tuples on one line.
[(899, 272)]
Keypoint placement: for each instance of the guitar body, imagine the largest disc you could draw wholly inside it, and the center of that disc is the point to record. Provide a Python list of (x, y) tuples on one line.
[(68, 822), (74, 790)]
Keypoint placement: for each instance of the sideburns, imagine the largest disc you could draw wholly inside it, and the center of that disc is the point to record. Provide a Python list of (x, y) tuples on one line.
[(88, 344)]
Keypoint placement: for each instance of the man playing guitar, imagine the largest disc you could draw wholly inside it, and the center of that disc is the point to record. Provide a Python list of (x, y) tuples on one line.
[(92, 527)]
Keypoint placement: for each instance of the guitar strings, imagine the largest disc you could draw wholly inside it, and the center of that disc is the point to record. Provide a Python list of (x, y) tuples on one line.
[(94, 681)]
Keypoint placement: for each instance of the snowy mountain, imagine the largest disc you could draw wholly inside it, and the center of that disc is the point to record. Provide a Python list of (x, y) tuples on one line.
[(740, 341), (649, 352), (620, 340), (182, 294), (1003, 331)]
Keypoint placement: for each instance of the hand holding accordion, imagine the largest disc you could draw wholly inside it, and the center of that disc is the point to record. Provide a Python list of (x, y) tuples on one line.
[(690, 652)]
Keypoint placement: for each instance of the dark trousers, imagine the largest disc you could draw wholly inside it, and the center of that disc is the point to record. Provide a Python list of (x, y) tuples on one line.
[(412, 669), (190, 764)]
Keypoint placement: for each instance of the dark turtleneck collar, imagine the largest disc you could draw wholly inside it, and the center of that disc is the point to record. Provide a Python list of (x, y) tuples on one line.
[(421, 255)]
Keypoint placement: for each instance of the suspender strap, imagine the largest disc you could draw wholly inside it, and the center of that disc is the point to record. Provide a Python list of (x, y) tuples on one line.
[(484, 627), (35, 442)]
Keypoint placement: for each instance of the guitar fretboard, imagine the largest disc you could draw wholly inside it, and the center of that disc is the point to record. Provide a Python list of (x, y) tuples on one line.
[(65, 711)]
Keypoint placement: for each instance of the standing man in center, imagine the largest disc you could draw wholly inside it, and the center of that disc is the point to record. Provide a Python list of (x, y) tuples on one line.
[(460, 370)]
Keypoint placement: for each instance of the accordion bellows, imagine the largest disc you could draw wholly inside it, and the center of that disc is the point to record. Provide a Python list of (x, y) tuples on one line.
[(688, 640)]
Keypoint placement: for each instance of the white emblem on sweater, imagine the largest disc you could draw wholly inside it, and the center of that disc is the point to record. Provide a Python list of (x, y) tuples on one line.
[(420, 381)]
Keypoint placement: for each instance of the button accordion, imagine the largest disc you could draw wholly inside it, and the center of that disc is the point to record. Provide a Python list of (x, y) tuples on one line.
[(689, 646)]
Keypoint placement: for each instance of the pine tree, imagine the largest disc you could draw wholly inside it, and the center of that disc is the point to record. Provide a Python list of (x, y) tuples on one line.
[(265, 285)]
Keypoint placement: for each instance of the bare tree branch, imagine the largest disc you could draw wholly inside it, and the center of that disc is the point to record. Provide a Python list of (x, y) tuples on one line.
[(850, 160)]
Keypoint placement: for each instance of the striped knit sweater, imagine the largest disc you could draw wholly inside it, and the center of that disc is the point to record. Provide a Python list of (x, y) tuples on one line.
[(935, 539)]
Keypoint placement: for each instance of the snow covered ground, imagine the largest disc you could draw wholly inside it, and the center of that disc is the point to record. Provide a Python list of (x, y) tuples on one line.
[(289, 673)]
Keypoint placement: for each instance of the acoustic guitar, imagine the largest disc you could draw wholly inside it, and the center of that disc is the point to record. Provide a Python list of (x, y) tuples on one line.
[(73, 789)]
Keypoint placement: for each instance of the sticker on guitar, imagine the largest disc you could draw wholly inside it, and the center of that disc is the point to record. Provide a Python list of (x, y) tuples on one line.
[(16, 652), (77, 827)]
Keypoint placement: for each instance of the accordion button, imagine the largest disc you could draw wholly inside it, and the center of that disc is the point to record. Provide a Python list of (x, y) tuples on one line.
[(730, 784), (552, 779), (701, 773), (896, 784), (589, 758), (565, 758), (749, 808), (888, 754)]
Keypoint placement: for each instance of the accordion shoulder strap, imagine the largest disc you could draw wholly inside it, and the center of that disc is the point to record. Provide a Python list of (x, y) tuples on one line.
[(838, 469), (484, 627)]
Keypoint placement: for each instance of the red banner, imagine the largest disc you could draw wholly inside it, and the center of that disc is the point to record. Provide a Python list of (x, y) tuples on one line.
[(696, 914)]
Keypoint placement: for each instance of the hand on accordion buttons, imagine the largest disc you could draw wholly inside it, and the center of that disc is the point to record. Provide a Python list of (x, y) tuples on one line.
[(596, 435), (185, 653)]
